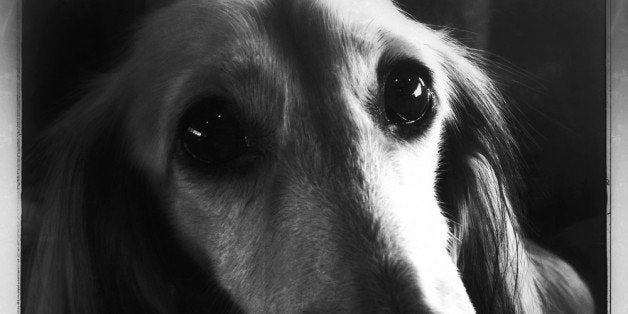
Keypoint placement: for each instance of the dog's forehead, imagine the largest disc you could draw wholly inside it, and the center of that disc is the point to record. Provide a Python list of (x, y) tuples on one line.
[(264, 52), (202, 29), (264, 44)]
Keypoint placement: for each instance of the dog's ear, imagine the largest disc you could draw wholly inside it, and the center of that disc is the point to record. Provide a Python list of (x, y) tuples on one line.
[(479, 187), (486, 243), (487, 247), (479, 180), (91, 252), (562, 289)]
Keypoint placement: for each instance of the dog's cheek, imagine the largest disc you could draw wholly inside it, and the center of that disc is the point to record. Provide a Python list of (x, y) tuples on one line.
[(217, 222)]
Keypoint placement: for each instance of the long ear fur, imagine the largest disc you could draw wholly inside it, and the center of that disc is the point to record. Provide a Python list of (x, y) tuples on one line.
[(102, 244), (83, 224), (480, 179)]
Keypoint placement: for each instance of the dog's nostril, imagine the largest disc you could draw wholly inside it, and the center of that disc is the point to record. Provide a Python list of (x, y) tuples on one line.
[(407, 94)]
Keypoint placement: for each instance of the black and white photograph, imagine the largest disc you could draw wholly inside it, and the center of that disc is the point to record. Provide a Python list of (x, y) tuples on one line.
[(315, 156)]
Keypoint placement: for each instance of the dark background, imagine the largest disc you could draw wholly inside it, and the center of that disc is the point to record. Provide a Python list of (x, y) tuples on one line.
[(548, 55)]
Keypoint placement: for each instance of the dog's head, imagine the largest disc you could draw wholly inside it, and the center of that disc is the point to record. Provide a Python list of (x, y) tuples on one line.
[(312, 155)]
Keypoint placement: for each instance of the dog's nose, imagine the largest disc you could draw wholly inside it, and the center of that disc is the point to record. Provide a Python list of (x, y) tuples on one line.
[(389, 286), (375, 287)]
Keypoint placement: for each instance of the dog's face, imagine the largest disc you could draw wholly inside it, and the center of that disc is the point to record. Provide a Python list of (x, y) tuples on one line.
[(296, 144)]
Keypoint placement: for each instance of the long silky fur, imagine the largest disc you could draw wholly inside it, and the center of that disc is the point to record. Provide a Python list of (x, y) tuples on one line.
[(480, 180), (104, 244)]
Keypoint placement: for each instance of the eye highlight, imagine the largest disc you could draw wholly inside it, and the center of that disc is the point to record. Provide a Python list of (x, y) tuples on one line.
[(211, 133), (408, 95)]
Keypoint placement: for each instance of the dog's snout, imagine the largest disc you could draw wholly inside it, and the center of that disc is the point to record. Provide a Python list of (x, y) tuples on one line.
[(389, 286), (376, 287), (383, 235), (362, 266)]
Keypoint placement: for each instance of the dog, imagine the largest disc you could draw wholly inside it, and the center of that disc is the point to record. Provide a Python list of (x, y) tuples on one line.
[(289, 156)]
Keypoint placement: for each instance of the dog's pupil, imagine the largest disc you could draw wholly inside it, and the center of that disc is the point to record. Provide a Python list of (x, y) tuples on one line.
[(407, 95), (212, 134)]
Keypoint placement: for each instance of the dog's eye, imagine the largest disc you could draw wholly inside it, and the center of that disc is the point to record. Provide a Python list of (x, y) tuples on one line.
[(407, 93), (212, 134)]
